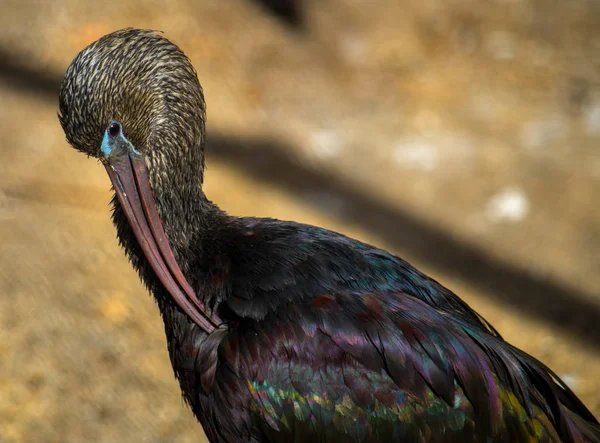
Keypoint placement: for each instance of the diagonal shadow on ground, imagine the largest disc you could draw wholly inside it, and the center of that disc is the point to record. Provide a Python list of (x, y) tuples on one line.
[(289, 12), (569, 309)]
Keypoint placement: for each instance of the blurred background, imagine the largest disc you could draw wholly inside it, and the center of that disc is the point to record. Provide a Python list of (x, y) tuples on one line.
[(462, 135)]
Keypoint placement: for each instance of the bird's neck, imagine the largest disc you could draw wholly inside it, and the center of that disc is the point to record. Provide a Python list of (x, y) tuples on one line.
[(176, 178), (187, 215)]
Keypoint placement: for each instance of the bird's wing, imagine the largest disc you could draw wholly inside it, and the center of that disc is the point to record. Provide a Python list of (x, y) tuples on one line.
[(336, 338), (389, 367), (276, 263)]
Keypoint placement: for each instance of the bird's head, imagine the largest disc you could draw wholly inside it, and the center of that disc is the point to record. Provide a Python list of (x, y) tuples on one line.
[(134, 87), (132, 99)]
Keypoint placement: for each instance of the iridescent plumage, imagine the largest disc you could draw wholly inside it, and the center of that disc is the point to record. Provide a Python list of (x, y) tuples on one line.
[(324, 338)]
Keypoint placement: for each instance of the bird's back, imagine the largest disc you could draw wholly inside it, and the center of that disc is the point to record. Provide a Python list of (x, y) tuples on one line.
[(335, 340)]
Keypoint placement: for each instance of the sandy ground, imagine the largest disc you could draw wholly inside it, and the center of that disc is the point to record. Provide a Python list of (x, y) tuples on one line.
[(462, 135)]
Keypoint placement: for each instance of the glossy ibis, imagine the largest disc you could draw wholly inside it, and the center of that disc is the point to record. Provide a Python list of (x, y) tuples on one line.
[(279, 331)]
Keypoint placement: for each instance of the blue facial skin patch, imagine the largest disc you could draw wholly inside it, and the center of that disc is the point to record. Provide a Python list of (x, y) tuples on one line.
[(110, 143), (106, 148)]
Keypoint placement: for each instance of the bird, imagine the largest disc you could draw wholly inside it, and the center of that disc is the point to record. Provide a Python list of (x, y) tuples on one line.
[(279, 331)]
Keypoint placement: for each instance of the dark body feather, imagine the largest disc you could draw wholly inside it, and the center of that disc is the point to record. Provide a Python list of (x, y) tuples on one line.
[(323, 338), (330, 339)]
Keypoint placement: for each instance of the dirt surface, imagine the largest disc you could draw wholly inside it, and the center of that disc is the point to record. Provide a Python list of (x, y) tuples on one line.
[(462, 135)]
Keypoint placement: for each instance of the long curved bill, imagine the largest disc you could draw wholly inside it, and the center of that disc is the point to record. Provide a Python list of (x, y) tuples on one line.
[(129, 177)]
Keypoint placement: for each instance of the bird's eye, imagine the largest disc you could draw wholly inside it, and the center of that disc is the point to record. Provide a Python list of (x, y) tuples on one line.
[(114, 129)]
